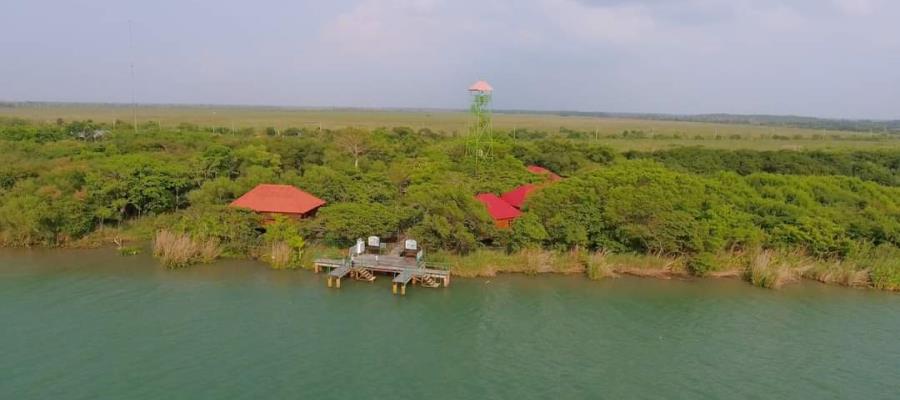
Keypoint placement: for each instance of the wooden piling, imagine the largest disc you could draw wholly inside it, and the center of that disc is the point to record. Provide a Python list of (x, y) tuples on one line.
[(394, 288), (337, 283), (403, 290), (329, 281)]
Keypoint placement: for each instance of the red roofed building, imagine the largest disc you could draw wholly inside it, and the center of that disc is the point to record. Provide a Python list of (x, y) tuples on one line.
[(279, 199), (517, 196), (534, 169), (502, 213)]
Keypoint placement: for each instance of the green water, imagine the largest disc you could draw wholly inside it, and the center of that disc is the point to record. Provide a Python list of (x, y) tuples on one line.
[(92, 324)]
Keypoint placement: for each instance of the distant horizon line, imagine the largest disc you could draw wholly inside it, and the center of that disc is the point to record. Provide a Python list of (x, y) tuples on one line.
[(582, 113)]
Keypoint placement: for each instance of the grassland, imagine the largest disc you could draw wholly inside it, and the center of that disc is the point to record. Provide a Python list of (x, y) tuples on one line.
[(657, 134)]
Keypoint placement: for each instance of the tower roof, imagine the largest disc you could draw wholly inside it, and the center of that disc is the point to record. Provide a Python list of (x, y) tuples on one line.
[(481, 86)]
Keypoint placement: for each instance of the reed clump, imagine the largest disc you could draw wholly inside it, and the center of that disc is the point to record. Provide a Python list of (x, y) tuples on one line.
[(597, 266), (647, 265), (772, 270), (529, 261), (280, 255), (178, 250), (840, 272), (883, 264)]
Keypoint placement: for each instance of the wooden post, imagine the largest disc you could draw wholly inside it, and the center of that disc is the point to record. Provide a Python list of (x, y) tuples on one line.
[(403, 290), (447, 281), (394, 288), (316, 266), (337, 283), (329, 281)]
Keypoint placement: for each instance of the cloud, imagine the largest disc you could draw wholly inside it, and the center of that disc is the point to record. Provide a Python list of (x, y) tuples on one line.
[(834, 57), (609, 21), (855, 7), (387, 27)]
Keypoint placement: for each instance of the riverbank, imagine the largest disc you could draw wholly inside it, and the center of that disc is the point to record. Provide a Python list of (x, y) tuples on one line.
[(771, 269)]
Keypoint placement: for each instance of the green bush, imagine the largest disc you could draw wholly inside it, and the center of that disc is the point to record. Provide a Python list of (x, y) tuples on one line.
[(701, 264)]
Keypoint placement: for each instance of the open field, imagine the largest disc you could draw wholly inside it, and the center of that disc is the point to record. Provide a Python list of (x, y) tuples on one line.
[(659, 134)]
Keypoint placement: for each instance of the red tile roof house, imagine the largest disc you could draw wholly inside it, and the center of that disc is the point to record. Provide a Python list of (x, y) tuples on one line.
[(279, 199), (500, 211)]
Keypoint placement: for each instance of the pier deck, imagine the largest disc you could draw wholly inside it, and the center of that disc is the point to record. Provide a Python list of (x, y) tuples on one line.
[(405, 270)]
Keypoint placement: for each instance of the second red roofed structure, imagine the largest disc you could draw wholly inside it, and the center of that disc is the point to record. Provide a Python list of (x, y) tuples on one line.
[(500, 211), (279, 199), (538, 170), (517, 196)]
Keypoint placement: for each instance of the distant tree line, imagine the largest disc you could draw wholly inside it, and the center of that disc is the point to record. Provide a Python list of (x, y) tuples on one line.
[(881, 166)]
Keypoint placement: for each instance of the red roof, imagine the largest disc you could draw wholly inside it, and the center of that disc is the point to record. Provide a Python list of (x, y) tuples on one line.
[(284, 199), (517, 196), (534, 169), (497, 208), (481, 86)]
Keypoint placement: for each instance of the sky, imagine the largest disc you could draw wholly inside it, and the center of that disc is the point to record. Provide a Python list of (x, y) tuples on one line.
[(826, 58)]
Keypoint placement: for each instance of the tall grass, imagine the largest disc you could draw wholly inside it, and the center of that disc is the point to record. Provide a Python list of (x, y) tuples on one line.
[(178, 250), (866, 266), (772, 270), (280, 255), (485, 262), (647, 265), (597, 266), (883, 264), (841, 272)]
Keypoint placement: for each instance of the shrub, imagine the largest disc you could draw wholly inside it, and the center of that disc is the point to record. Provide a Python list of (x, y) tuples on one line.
[(701, 264), (285, 243)]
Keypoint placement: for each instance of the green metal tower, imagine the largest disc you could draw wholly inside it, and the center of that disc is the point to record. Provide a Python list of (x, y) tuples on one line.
[(480, 139)]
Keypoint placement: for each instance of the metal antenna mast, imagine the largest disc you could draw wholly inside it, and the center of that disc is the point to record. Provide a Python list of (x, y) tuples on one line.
[(131, 54), (480, 143)]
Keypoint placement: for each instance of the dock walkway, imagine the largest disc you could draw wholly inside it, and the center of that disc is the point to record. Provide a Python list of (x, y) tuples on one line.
[(405, 270)]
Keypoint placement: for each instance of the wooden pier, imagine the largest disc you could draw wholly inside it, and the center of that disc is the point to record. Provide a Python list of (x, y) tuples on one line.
[(364, 266)]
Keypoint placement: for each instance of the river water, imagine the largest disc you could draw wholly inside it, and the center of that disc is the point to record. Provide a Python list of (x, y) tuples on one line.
[(92, 324)]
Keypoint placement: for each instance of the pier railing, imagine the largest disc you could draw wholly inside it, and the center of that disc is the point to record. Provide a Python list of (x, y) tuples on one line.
[(420, 263)]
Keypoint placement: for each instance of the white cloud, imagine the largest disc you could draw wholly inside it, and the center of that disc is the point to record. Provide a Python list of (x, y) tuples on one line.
[(387, 27), (618, 24), (855, 7)]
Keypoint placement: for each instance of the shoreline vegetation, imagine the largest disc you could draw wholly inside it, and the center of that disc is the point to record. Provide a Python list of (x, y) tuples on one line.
[(770, 217)]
